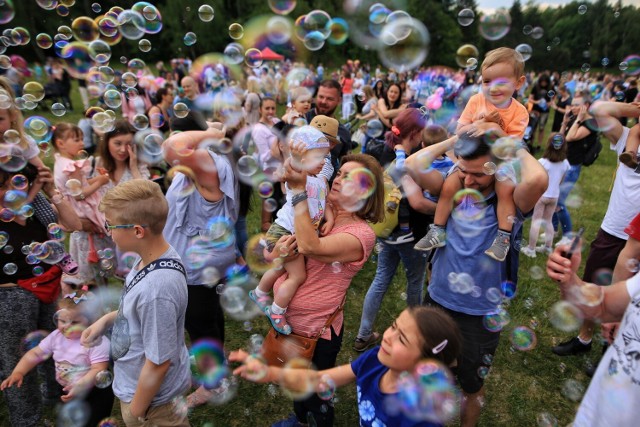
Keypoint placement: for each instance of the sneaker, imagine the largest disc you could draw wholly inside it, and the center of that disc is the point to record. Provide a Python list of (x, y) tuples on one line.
[(629, 159), (571, 348), (544, 249), (292, 421), (262, 302), (499, 248), (68, 265), (435, 238), (399, 237), (531, 253), (278, 321), (361, 344), (564, 241)]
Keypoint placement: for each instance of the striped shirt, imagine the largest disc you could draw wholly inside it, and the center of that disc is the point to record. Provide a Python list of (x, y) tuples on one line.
[(326, 285)]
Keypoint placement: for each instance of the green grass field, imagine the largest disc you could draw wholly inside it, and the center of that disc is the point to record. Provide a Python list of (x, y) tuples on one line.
[(520, 385)]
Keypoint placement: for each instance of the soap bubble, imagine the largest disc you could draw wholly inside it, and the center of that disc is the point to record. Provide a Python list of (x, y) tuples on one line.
[(208, 364), (466, 52), (565, 316), (466, 17), (32, 340), (427, 394), (282, 7), (236, 31), (495, 26), (104, 379), (190, 39), (206, 13), (523, 338), (525, 50), (293, 385)]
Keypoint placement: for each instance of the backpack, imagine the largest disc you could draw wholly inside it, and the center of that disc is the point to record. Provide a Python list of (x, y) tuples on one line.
[(392, 197), (592, 153)]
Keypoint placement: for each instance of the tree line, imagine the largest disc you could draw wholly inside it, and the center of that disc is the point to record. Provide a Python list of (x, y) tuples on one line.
[(604, 34)]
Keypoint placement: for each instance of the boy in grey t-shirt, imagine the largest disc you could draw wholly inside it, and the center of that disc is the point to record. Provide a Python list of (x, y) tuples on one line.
[(151, 359)]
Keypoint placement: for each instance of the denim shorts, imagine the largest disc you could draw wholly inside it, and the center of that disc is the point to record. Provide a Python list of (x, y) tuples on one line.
[(275, 232)]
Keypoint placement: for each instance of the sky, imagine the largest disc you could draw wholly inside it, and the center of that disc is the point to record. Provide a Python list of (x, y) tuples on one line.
[(489, 5)]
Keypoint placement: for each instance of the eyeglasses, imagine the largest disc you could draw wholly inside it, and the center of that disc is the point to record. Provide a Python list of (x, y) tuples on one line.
[(110, 227)]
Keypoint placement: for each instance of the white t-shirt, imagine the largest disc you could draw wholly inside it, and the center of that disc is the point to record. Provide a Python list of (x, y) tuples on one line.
[(613, 395), (317, 188), (556, 172), (624, 203)]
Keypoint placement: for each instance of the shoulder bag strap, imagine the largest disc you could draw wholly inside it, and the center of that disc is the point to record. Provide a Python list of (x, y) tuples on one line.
[(331, 318)]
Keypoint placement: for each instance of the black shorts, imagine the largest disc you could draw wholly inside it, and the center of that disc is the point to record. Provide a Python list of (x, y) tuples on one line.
[(478, 347), (603, 253)]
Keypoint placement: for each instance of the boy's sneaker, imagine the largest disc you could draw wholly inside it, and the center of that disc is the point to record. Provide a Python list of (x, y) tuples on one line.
[(531, 253), (500, 247), (544, 249), (68, 265), (435, 238), (361, 344), (399, 237), (262, 302), (278, 321)]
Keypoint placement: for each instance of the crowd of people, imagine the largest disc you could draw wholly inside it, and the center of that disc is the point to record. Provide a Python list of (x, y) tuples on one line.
[(435, 168)]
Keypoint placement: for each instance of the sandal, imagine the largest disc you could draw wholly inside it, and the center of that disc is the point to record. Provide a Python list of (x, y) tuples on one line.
[(199, 397), (68, 265), (278, 321), (262, 302)]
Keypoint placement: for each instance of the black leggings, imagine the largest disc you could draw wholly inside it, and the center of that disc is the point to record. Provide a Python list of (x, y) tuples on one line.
[(324, 357), (204, 318)]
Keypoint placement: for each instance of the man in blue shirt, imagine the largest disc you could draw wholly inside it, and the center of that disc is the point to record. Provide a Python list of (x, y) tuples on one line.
[(466, 284)]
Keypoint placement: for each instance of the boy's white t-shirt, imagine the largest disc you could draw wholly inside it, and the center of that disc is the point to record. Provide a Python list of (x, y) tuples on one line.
[(613, 395), (556, 171), (624, 203)]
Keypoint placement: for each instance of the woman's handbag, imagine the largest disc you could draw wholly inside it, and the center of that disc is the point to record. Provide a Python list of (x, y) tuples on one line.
[(278, 349), (46, 286)]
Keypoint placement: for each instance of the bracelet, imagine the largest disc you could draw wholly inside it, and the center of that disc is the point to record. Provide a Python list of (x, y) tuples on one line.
[(81, 196), (301, 197)]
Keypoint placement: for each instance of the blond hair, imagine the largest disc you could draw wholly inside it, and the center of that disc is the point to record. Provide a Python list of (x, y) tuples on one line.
[(17, 121), (137, 201), (505, 55), (300, 92)]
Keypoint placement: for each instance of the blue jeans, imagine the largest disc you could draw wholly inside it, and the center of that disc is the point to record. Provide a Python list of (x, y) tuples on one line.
[(562, 214), (415, 266)]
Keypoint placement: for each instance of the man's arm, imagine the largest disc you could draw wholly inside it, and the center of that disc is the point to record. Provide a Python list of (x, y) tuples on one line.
[(607, 114), (631, 251)]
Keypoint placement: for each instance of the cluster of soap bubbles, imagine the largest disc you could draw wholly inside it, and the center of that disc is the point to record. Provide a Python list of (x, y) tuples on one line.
[(426, 394)]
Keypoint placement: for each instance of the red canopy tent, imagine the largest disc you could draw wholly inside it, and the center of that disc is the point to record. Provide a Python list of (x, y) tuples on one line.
[(269, 55)]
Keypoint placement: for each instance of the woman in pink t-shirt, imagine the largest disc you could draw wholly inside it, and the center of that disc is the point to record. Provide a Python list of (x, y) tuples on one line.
[(332, 260)]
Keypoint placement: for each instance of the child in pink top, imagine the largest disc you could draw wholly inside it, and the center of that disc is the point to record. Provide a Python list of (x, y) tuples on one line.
[(71, 174), (78, 369)]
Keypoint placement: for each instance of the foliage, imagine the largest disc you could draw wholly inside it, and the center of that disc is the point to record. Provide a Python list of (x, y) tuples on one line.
[(570, 39)]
